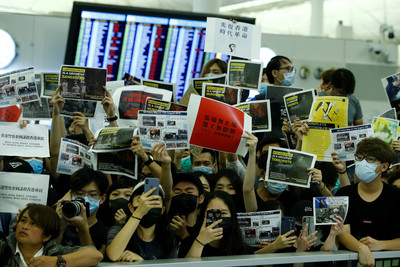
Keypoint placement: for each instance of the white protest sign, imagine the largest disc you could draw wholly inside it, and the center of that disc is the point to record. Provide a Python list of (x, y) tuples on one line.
[(30, 141), (19, 189), (235, 39)]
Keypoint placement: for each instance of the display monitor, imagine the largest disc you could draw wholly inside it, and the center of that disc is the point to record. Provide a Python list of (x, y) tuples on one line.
[(146, 43)]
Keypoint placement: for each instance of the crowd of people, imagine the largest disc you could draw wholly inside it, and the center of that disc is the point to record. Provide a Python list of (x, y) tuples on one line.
[(115, 219)]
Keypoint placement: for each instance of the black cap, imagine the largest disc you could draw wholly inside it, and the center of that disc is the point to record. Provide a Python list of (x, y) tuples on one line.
[(188, 177), (302, 208), (17, 165)]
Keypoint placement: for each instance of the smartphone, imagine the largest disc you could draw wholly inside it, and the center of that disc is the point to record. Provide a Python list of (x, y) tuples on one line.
[(213, 215), (287, 224), (149, 183), (310, 221)]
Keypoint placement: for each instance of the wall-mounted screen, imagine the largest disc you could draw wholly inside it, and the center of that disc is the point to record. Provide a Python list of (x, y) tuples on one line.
[(159, 45)]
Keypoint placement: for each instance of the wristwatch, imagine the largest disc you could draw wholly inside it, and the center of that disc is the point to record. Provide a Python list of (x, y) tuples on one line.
[(149, 161), (112, 118), (60, 261)]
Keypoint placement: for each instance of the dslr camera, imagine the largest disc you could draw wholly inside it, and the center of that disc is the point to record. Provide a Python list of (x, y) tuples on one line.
[(73, 208)]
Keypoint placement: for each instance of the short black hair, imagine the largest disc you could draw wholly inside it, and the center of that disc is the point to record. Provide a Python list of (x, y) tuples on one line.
[(85, 176), (274, 64), (205, 150), (270, 140), (343, 79), (377, 148), (262, 160), (188, 177)]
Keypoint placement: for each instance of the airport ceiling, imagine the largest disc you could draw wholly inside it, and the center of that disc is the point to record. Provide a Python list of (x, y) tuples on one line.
[(274, 16)]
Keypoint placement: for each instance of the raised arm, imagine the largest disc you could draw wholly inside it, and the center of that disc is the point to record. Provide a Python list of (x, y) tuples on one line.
[(341, 170), (137, 149), (108, 106), (160, 154), (300, 129), (79, 120), (249, 194), (317, 177)]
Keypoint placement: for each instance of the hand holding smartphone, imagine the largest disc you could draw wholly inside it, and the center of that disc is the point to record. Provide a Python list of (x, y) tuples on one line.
[(213, 215), (149, 183)]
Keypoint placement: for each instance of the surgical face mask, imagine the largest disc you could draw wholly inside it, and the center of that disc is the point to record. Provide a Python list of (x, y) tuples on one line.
[(276, 188), (337, 186), (151, 218), (93, 204), (288, 78), (366, 171), (263, 88), (183, 204), (37, 165), (209, 74), (204, 169), (185, 164)]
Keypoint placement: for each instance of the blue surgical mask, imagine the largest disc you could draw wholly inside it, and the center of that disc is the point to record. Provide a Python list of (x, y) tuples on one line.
[(209, 75), (204, 169), (263, 88), (288, 78), (185, 164), (276, 188), (366, 171), (337, 186), (93, 204), (37, 165)]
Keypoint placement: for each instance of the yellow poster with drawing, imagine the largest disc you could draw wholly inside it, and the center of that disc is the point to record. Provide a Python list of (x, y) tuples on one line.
[(327, 112)]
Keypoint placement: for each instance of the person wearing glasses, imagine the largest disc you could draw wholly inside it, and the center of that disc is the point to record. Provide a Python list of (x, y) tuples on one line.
[(374, 212), (84, 229), (280, 71)]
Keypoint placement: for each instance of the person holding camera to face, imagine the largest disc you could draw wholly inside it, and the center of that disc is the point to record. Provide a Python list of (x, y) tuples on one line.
[(78, 210)]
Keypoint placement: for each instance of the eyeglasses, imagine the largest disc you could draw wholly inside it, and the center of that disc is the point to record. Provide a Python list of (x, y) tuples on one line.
[(288, 68), (92, 194), (359, 157)]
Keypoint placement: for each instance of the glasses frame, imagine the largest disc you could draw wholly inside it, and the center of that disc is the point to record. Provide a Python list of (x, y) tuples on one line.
[(288, 68), (370, 159)]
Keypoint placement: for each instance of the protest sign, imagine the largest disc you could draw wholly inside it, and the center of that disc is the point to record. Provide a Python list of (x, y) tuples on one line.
[(391, 86), (262, 226), (87, 107), (245, 74), (278, 111), (19, 189), (288, 166), (260, 112), (130, 80), (223, 93), (72, 156), (30, 141), (10, 114), (389, 114), (233, 38), (216, 125), (345, 140), (160, 85), (119, 163), (197, 83), (185, 98), (327, 208), (49, 84), (37, 110), (168, 127), (113, 139), (17, 87), (298, 104), (157, 104), (385, 129), (82, 82), (130, 99)]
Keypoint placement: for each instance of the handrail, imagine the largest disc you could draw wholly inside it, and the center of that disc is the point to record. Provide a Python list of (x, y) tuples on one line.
[(259, 259)]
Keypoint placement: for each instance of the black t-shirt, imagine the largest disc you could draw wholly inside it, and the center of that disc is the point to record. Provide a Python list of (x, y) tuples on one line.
[(98, 232), (287, 198), (378, 219)]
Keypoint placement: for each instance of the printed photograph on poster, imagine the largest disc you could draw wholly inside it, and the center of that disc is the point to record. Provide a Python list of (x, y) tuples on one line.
[(72, 156), (389, 114), (391, 85), (233, 38), (118, 163), (216, 125), (298, 105), (160, 85), (113, 139), (160, 105), (244, 74), (19, 189), (326, 208), (30, 141), (260, 112), (197, 83), (223, 93), (49, 83), (385, 129), (18, 87), (82, 82), (275, 94), (87, 107), (168, 127), (330, 109), (345, 140), (37, 110), (256, 227), (288, 166), (130, 99), (10, 114)]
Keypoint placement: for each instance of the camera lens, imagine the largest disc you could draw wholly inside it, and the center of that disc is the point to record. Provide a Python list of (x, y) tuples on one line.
[(71, 208)]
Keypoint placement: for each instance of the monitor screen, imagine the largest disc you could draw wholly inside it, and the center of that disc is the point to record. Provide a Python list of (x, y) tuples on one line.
[(150, 44)]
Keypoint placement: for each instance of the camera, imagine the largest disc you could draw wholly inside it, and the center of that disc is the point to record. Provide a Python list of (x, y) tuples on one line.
[(73, 208), (387, 28), (375, 48)]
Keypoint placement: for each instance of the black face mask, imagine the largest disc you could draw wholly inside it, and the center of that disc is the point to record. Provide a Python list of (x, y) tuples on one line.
[(183, 204), (151, 218), (226, 225), (119, 203)]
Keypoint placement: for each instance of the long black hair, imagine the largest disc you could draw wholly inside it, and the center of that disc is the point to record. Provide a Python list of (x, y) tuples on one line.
[(236, 182), (233, 243)]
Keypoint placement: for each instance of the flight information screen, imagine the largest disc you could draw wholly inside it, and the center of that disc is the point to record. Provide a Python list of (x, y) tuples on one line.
[(157, 48)]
